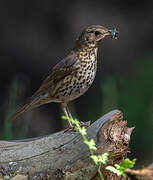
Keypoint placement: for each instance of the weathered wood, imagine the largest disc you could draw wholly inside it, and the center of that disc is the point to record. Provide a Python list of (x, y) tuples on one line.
[(64, 155)]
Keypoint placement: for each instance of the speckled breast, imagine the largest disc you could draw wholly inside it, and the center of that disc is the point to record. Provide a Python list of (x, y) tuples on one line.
[(78, 83)]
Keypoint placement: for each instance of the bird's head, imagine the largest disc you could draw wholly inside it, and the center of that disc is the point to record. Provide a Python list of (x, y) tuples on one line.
[(92, 35)]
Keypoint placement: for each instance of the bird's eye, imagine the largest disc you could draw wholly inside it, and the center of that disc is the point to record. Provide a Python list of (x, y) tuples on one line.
[(97, 33)]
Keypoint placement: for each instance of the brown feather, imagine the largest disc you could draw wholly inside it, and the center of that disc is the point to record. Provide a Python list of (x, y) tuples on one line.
[(62, 69), (32, 103), (59, 71)]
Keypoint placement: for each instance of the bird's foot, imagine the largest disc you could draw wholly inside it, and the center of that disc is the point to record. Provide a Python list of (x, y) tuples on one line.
[(85, 124), (70, 128)]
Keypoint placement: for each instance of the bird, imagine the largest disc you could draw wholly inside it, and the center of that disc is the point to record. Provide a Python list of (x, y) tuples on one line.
[(73, 75)]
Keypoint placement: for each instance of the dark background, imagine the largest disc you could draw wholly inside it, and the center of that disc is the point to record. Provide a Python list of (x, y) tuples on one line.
[(35, 35)]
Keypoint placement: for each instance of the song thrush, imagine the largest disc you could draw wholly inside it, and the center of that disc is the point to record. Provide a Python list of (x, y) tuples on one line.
[(73, 75)]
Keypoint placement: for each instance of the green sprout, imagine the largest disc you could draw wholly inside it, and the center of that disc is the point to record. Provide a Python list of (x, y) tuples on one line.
[(97, 159), (119, 170)]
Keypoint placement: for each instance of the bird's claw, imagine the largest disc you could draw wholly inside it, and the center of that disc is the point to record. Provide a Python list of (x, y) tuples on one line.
[(72, 127), (85, 124)]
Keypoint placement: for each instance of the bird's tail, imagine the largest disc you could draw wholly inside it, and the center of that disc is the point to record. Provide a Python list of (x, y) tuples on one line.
[(32, 103)]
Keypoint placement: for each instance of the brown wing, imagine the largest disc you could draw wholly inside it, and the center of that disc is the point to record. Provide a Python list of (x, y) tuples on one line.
[(63, 68)]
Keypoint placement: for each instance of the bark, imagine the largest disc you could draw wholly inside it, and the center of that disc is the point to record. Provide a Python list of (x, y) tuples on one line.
[(63, 155)]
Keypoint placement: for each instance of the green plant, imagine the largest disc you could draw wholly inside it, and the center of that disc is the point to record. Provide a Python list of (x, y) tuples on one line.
[(100, 159), (120, 169), (7, 129)]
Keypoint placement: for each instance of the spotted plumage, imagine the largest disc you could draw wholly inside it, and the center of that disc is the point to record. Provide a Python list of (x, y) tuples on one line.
[(72, 76)]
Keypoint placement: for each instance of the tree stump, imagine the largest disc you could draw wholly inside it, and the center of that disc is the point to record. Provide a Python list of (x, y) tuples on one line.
[(63, 155)]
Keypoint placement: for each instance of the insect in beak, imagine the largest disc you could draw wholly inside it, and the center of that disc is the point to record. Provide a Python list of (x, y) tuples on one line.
[(114, 33)]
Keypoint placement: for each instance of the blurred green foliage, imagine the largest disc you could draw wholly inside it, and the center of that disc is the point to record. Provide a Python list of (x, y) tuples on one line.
[(7, 128), (133, 94)]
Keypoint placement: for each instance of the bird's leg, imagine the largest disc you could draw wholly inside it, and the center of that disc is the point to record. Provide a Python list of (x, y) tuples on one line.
[(67, 114), (85, 124)]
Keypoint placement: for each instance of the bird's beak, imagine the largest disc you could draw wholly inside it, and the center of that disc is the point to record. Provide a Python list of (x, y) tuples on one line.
[(108, 32), (113, 33)]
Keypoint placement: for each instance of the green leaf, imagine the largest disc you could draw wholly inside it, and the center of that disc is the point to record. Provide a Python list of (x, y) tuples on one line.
[(114, 170), (82, 130), (128, 164), (91, 144), (73, 121), (65, 117), (94, 158), (100, 159), (103, 158), (117, 166)]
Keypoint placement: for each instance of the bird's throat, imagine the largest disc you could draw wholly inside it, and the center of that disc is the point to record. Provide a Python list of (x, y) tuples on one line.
[(88, 58)]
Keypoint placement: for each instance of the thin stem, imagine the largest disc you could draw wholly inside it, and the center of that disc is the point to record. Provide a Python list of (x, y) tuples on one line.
[(85, 139), (100, 173)]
